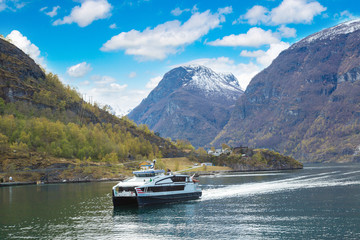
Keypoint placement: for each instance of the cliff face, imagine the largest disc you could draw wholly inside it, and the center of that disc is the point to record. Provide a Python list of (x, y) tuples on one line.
[(307, 102), (190, 102), (17, 71)]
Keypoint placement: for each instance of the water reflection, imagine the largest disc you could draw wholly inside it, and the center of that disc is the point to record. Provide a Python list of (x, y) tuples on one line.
[(314, 203)]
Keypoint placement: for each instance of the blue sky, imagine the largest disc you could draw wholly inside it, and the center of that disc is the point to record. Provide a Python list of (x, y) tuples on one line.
[(115, 52)]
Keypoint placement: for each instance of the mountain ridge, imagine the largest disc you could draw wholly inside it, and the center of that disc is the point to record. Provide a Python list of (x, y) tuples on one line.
[(190, 102)]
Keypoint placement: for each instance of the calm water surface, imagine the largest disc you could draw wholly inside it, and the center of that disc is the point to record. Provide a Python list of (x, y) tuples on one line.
[(318, 202)]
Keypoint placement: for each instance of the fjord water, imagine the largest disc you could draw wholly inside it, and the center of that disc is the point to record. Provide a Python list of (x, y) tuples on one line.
[(318, 202)]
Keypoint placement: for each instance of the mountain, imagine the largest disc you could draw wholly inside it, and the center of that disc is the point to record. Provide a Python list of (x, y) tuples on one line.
[(40, 114), (190, 103), (306, 103)]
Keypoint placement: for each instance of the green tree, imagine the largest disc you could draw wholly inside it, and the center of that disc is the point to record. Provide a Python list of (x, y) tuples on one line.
[(3, 143), (2, 106)]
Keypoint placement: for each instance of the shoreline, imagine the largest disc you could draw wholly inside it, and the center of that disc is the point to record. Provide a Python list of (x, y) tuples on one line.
[(197, 173), (10, 184)]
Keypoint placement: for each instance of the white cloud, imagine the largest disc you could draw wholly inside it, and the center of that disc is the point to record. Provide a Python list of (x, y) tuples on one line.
[(41, 9), (88, 12), (132, 74), (255, 37), (242, 71), (296, 11), (13, 5), (177, 11), (167, 38), (107, 91), (79, 70), (225, 10), (113, 26), (26, 46), (289, 11), (116, 87), (53, 13), (287, 32), (265, 58), (153, 82), (345, 15), (257, 15)]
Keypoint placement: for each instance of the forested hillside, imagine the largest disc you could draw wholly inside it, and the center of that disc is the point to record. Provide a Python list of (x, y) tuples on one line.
[(41, 116)]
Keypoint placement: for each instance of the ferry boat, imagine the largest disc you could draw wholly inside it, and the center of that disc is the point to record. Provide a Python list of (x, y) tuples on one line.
[(154, 187)]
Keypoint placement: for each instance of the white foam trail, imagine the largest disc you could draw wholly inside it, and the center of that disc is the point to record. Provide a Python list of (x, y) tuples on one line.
[(242, 175), (309, 181), (349, 173)]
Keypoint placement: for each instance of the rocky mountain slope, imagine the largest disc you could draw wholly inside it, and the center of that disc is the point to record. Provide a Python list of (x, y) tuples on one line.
[(190, 102), (307, 102)]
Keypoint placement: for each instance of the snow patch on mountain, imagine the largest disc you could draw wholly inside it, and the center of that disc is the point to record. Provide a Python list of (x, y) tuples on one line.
[(203, 78), (330, 33)]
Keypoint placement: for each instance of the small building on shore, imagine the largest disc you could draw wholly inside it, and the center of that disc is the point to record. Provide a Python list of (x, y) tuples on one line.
[(206, 164)]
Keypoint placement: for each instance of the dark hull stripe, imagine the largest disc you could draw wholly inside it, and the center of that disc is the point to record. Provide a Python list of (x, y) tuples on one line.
[(121, 201), (146, 200)]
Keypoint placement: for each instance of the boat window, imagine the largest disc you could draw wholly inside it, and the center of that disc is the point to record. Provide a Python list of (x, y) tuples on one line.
[(144, 174), (165, 180), (178, 178), (126, 189), (166, 188)]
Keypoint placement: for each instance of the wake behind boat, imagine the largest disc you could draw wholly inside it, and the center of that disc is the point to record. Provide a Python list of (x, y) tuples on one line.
[(153, 187)]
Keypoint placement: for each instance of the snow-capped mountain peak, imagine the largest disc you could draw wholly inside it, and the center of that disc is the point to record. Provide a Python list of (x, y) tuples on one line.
[(206, 79), (330, 33)]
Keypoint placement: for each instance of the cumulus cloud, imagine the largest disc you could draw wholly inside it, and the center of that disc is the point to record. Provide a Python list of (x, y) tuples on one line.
[(52, 13), (255, 37), (167, 38), (79, 70), (89, 11), (257, 14), (26, 46), (265, 58), (289, 11), (296, 11), (244, 72), (153, 82)]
